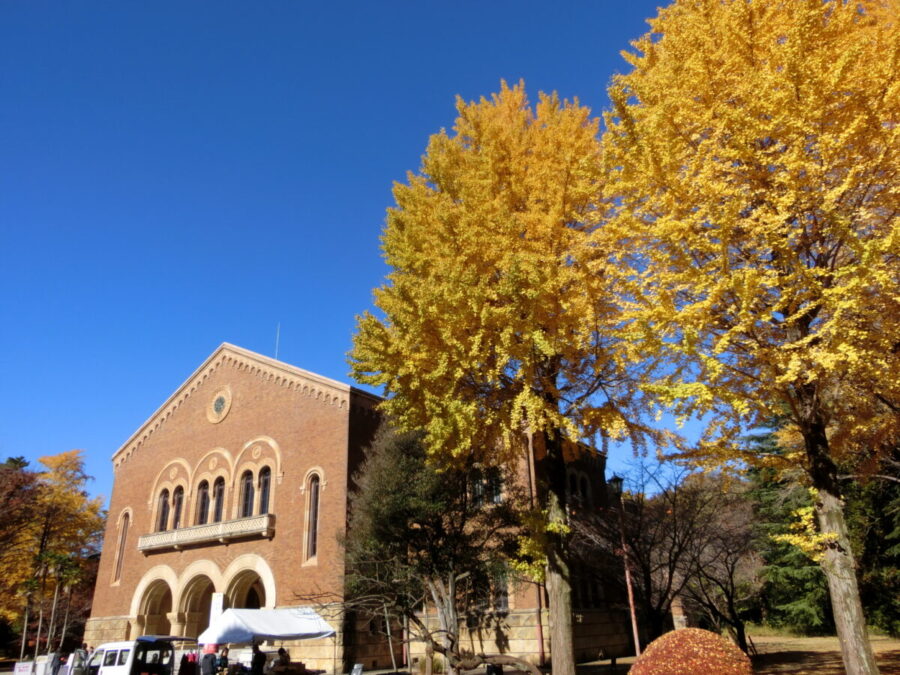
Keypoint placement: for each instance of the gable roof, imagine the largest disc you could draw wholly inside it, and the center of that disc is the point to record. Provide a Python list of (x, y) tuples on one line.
[(279, 373)]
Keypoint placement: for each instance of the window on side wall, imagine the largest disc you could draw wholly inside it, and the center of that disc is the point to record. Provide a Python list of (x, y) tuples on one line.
[(312, 528), (123, 536)]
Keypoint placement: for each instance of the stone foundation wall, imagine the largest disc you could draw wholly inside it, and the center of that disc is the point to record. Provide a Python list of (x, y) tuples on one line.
[(106, 629), (601, 634)]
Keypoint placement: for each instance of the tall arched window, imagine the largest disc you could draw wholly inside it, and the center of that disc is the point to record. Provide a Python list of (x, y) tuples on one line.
[(219, 498), (123, 534), (265, 481), (177, 503), (247, 494), (312, 528), (202, 504), (162, 520)]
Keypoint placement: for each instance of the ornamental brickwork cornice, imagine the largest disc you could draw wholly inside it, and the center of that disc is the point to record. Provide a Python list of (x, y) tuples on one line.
[(326, 391)]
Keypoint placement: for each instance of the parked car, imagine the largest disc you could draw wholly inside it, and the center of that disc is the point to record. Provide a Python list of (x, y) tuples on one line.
[(148, 655)]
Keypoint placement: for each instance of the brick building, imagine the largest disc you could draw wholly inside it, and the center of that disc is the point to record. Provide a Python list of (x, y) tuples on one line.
[(234, 494)]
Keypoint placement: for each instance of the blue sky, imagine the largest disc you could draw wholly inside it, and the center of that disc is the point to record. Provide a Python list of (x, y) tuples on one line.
[(174, 175)]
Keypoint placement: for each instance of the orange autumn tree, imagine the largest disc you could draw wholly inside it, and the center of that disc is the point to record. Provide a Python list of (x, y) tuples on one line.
[(754, 159), (51, 554), (496, 317)]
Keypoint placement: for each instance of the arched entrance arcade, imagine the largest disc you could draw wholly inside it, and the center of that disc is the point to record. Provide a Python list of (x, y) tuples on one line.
[(246, 591), (154, 616), (249, 583), (195, 603)]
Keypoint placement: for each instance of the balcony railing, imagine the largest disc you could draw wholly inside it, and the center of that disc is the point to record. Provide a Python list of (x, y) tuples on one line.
[(223, 532)]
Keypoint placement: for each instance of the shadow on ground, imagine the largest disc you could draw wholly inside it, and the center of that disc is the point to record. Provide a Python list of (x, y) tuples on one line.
[(817, 656)]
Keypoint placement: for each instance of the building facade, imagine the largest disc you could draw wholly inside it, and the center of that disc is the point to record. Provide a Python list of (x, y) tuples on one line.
[(234, 493)]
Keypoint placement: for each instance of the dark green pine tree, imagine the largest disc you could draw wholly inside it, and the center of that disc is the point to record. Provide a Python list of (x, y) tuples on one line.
[(873, 511), (795, 591)]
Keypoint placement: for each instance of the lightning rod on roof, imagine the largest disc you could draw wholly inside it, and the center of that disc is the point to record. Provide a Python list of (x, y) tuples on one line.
[(277, 335)]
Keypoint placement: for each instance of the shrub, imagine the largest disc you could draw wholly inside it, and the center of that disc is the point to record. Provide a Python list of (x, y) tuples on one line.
[(690, 651)]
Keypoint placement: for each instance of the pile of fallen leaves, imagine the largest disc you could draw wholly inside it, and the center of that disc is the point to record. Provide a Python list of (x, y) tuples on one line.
[(690, 651)]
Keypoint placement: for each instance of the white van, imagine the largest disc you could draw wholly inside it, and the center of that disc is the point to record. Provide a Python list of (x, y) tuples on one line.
[(148, 655)]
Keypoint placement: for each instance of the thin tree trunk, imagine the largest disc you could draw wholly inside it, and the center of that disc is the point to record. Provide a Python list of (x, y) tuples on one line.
[(838, 563), (840, 571), (52, 629), (37, 641), (559, 579), (65, 626), (390, 637), (24, 630)]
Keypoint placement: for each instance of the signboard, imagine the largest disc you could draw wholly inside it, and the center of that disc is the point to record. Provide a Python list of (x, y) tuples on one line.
[(24, 668)]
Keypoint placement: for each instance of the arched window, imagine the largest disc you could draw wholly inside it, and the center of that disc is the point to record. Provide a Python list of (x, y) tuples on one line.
[(123, 534), (219, 498), (202, 504), (312, 526), (247, 494), (265, 479), (162, 520), (177, 503)]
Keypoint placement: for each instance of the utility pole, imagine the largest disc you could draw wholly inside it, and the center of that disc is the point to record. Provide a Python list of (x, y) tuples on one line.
[(615, 482)]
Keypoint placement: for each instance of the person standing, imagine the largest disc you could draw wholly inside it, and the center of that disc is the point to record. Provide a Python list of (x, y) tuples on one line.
[(258, 662), (208, 662), (222, 661), (55, 663)]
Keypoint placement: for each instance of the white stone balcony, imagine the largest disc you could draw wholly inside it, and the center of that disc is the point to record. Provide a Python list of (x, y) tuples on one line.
[(222, 532)]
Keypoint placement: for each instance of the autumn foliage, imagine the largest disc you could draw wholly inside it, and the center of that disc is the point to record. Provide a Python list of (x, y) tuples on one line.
[(690, 651), (729, 251), (52, 533), (754, 154)]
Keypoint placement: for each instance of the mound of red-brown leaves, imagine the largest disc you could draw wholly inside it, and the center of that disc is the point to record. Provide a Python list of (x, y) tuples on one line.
[(690, 651)]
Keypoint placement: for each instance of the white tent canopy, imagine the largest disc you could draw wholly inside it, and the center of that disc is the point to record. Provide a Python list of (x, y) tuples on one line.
[(247, 625)]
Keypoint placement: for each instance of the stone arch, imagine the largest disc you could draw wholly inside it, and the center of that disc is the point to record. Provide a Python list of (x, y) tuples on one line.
[(317, 471), (249, 576), (162, 573), (194, 603), (155, 615), (163, 477), (224, 463), (269, 449), (173, 475)]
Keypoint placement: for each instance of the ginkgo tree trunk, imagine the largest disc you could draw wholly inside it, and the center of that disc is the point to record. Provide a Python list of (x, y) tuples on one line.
[(753, 154), (496, 317)]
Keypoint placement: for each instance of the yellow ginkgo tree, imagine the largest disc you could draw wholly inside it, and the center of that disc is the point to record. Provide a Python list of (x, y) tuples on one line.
[(754, 160), (495, 320)]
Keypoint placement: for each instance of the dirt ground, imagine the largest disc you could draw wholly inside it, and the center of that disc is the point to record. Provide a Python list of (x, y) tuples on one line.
[(788, 656), (817, 655)]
